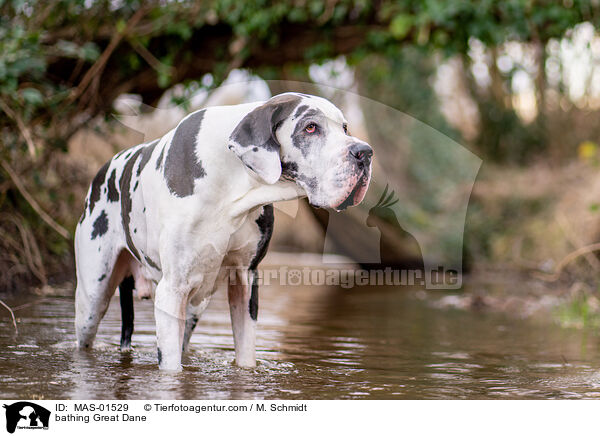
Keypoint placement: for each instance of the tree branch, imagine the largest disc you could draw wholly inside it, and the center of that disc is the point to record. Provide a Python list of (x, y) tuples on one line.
[(34, 204), (12, 314), (104, 57), (21, 126)]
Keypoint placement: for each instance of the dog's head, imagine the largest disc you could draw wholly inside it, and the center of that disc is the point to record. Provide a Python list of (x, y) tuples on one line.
[(305, 139)]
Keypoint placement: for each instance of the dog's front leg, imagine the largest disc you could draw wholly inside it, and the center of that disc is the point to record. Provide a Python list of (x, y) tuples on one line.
[(243, 307), (169, 312)]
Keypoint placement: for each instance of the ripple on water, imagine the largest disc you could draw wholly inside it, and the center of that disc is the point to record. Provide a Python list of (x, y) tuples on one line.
[(312, 343)]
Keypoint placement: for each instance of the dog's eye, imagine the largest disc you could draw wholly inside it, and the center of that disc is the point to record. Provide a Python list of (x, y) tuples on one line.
[(311, 128), (345, 126)]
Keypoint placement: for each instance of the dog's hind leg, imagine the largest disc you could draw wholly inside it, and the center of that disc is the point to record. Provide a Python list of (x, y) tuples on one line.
[(94, 291), (126, 300), (91, 303)]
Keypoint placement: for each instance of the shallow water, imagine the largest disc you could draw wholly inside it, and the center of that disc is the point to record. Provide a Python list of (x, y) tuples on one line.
[(313, 343)]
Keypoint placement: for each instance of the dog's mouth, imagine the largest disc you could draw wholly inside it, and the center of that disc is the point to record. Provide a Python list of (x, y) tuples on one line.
[(357, 193)]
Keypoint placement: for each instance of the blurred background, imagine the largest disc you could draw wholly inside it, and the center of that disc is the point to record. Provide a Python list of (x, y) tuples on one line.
[(486, 110)]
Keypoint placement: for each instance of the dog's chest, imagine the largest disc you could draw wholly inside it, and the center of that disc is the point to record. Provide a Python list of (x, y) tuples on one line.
[(243, 242)]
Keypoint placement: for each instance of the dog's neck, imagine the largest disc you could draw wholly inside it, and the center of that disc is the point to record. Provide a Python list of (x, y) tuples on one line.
[(263, 194)]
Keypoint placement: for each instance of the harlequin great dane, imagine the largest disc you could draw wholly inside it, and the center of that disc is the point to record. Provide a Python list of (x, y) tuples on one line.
[(174, 217)]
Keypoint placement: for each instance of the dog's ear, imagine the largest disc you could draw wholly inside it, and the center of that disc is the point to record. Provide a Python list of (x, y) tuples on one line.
[(254, 140)]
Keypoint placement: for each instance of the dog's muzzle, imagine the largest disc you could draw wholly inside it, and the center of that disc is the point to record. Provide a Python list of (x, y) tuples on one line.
[(360, 155)]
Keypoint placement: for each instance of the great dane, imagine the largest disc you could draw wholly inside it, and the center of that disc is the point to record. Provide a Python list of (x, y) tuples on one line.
[(173, 217)]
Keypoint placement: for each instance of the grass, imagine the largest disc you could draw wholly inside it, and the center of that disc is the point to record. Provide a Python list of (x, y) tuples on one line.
[(581, 312)]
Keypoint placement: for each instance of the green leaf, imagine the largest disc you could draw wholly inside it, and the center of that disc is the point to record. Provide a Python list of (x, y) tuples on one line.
[(32, 96), (401, 25), (89, 52), (121, 25), (67, 48), (164, 78)]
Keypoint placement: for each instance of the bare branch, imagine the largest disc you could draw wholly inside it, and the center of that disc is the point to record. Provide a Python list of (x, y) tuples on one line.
[(21, 126), (552, 277), (34, 204), (11, 314), (103, 59)]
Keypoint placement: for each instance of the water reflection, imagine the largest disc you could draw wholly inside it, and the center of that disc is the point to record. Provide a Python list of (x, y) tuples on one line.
[(312, 343)]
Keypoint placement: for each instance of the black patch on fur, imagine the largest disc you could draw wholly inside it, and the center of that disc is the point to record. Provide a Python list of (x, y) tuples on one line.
[(190, 325), (146, 154), (125, 184), (137, 182), (151, 263), (314, 112), (300, 110), (289, 170), (160, 158), (100, 225), (193, 322), (97, 186), (85, 205), (258, 128), (265, 224), (159, 356), (102, 277), (305, 141), (310, 183), (181, 166), (253, 303), (113, 193), (127, 314)]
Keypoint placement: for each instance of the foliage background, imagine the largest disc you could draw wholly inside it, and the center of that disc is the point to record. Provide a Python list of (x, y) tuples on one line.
[(63, 64)]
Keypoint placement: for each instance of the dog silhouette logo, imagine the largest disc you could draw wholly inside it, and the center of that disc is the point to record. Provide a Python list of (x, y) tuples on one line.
[(383, 212), (26, 415)]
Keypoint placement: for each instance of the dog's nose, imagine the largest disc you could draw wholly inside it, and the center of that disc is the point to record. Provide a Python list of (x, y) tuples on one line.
[(362, 153)]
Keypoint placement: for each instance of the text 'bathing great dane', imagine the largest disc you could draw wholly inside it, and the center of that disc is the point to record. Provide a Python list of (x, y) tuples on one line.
[(173, 217)]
